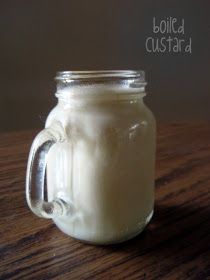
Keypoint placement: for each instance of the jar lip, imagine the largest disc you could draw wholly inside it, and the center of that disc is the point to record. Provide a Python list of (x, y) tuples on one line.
[(101, 74)]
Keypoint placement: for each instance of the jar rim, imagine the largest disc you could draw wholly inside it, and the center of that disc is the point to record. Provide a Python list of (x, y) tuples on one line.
[(101, 74)]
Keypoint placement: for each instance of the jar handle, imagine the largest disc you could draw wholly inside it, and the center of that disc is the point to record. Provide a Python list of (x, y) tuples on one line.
[(36, 169)]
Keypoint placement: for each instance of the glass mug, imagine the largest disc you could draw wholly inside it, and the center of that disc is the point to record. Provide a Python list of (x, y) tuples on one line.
[(92, 168)]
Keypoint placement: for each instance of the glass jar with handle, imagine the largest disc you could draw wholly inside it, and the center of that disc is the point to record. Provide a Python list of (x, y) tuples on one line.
[(92, 168)]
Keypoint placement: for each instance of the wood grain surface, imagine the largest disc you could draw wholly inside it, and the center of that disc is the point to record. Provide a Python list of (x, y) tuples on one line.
[(176, 244)]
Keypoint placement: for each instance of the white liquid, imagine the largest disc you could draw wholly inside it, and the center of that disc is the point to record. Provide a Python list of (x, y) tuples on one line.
[(106, 168)]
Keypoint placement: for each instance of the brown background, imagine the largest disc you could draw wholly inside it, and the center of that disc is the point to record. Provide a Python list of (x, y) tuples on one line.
[(38, 38)]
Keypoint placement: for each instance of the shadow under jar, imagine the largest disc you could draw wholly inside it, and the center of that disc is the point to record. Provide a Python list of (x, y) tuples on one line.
[(98, 154)]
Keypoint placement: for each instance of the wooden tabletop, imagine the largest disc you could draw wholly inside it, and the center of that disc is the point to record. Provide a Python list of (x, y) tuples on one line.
[(176, 244)]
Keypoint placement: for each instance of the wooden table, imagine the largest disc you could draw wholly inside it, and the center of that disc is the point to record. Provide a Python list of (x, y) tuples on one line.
[(176, 244)]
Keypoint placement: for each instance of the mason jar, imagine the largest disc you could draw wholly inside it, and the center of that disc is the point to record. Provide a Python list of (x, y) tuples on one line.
[(91, 169)]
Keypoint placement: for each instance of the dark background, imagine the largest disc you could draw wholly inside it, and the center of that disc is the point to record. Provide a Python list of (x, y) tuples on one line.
[(38, 38)]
